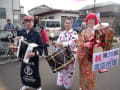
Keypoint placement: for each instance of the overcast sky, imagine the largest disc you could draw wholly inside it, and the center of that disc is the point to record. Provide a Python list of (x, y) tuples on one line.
[(60, 4)]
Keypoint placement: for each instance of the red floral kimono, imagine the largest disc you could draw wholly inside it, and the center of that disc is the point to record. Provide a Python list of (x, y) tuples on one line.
[(86, 42), (87, 76)]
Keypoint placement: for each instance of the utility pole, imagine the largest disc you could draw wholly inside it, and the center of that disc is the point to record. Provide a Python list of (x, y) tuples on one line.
[(94, 5), (13, 11)]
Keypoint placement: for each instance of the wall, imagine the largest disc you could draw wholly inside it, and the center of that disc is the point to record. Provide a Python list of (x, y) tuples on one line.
[(60, 16), (12, 8), (16, 4), (9, 14), (110, 20)]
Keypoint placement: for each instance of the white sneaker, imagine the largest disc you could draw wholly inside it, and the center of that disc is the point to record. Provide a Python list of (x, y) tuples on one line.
[(24, 87), (40, 56), (39, 88)]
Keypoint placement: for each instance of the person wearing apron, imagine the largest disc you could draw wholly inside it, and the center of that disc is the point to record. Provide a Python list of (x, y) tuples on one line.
[(29, 73)]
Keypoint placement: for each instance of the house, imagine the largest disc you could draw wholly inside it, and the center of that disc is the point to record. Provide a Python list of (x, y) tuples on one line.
[(9, 9), (45, 12), (108, 11)]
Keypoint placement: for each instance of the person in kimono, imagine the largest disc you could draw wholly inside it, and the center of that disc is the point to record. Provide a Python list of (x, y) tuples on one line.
[(85, 47), (29, 73), (66, 38)]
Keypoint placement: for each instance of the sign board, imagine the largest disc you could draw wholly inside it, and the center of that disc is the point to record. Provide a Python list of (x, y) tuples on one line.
[(16, 17), (105, 59)]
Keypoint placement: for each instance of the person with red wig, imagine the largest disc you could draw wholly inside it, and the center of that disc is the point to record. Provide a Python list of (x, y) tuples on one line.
[(85, 44), (93, 16)]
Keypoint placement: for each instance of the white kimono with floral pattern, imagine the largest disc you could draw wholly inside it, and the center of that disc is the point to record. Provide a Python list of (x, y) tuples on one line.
[(65, 76)]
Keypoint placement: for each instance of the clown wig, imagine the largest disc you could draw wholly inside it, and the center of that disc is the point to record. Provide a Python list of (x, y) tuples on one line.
[(92, 16)]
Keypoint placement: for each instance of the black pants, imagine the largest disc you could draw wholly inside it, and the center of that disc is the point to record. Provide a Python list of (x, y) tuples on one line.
[(45, 48)]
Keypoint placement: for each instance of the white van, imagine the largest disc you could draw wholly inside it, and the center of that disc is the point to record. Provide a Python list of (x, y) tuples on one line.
[(51, 26)]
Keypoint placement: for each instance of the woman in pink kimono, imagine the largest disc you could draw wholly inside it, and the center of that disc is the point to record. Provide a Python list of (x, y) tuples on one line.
[(66, 38)]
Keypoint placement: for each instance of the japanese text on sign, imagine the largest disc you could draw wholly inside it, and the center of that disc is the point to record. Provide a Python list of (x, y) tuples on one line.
[(105, 59)]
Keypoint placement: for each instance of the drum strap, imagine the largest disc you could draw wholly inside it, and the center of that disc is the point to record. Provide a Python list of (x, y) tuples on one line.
[(70, 61), (54, 60), (57, 61), (56, 54), (62, 52)]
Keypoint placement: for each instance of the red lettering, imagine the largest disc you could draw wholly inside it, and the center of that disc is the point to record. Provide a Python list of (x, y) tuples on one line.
[(98, 58)]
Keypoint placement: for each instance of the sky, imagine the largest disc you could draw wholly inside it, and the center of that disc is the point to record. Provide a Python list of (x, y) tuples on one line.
[(60, 4)]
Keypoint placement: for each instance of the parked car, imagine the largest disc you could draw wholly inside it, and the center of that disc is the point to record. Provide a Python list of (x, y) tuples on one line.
[(51, 26)]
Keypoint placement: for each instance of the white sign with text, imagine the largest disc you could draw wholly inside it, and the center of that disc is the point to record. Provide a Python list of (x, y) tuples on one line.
[(105, 59)]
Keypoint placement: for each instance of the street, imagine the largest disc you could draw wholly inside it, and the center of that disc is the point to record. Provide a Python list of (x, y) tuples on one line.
[(10, 77), (86, 26)]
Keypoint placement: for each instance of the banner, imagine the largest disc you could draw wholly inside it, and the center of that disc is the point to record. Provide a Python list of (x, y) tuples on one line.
[(79, 0), (105, 59)]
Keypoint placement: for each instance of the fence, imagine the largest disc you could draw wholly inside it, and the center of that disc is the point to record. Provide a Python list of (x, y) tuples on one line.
[(6, 53)]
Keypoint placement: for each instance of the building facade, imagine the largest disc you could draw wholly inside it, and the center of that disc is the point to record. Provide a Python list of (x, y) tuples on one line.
[(9, 9), (45, 12), (108, 11)]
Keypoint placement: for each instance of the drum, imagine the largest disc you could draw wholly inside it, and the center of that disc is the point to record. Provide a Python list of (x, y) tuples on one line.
[(60, 59)]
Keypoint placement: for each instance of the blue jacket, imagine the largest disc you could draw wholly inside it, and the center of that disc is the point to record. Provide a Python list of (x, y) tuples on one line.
[(32, 36)]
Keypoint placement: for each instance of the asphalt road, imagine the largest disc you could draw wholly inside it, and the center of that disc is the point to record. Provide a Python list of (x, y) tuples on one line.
[(10, 77)]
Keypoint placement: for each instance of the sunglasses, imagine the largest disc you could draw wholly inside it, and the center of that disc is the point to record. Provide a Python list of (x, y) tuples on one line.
[(28, 20)]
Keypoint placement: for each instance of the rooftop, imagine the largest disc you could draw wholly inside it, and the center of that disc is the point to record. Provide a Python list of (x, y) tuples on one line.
[(108, 3)]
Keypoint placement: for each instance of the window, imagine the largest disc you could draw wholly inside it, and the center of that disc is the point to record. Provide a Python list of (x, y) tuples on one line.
[(53, 24), (2, 13), (42, 23), (51, 17)]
